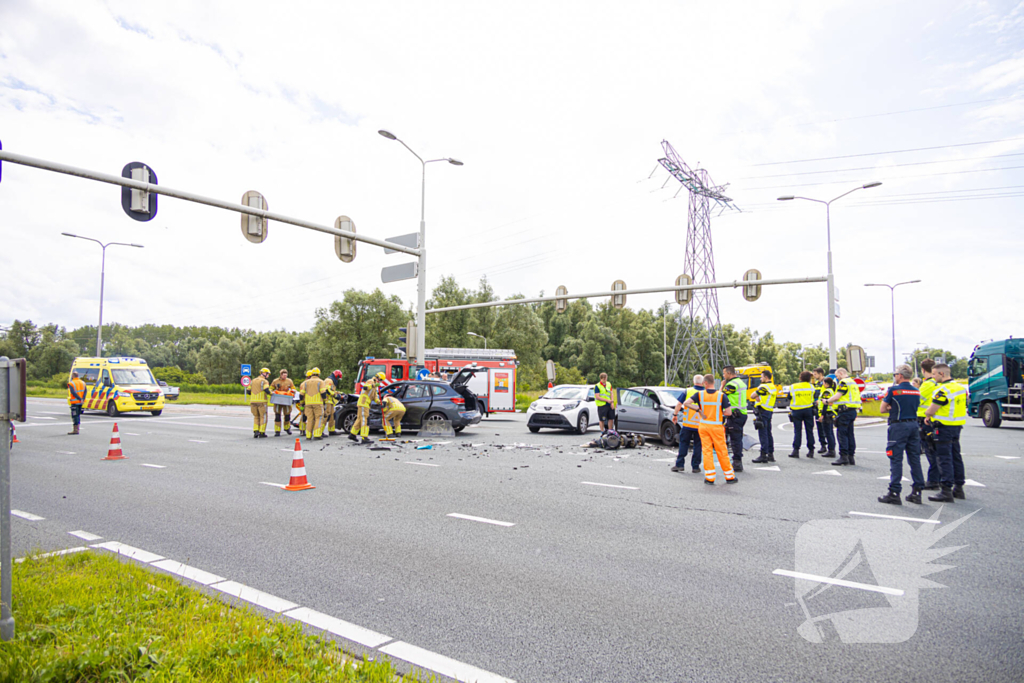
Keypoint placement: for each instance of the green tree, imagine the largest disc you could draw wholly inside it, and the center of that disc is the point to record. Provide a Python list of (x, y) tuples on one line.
[(518, 327), (482, 320), (448, 329), (221, 362), (361, 324)]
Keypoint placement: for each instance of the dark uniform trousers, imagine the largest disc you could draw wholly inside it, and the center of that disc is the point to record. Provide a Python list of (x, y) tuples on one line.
[(687, 436), (844, 431), (904, 437), (803, 419), (734, 433), (947, 452), (764, 434), (928, 447), (826, 427)]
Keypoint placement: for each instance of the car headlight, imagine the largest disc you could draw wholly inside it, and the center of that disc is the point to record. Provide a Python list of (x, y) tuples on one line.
[(570, 406), (533, 406)]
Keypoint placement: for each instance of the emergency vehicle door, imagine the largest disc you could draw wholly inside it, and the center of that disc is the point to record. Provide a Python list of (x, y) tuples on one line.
[(500, 389)]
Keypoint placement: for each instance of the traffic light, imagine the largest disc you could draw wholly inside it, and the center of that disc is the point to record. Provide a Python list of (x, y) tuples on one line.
[(403, 339)]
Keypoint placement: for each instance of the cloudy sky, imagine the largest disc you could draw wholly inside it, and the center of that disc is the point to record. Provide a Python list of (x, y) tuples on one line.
[(558, 110)]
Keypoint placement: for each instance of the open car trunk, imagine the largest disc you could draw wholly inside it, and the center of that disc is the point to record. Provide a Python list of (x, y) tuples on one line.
[(460, 384)]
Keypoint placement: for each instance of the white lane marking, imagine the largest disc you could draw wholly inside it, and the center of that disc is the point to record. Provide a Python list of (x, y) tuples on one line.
[(1008, 457), (903, 479), (51, 412), (905, 519), (128, 551), (55, 553), (258, 598), (270, 483), (480, 519), (198, 441), (772, 468), (86, 536), (130, 434), (424, 464), (441, 664), (159, 467), (27, 515), (839, 582), (287, 450), (971, 482), (324, 622), (40, 417), (829, 472), (611, 486), (191, 573), (664, 460), (65, 452)]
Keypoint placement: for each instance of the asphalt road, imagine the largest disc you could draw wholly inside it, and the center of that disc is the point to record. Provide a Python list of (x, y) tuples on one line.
[(609, 567)]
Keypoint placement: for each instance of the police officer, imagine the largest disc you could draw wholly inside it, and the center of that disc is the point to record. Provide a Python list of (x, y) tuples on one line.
[(76, 395), (283, 413), (928, 386), (847, 402), (736, 391), (258, 390), (689, 428), (818, 380), (604, 398), (764, 408), (827, 416), (801, 413), (947, 416), (901, 401)]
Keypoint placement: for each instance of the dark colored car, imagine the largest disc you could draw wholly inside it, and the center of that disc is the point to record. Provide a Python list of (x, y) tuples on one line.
[(648, 410), (424, 401)]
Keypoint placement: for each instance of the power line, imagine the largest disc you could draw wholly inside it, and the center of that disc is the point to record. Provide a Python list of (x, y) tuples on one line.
[(875, 168), (892, 151), (897, 177)]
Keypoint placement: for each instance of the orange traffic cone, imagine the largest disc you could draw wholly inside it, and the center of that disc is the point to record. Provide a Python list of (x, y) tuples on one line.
[(14, 432), (298, 479), (114, 453)]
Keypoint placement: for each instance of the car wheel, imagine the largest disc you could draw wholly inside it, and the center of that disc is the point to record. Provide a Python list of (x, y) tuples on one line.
[(582, 422), (668, 434), (156, 413), (435, 418), (112, 410), (459, 429), (990, 415), (347, 420), (534, 430)]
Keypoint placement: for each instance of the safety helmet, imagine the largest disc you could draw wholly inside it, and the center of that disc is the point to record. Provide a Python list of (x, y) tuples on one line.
[(309, 373), (379, 375), (337, 373), (264, 371), (315, 371)]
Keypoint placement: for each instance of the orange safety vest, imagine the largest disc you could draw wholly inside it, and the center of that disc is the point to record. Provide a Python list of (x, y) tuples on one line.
[(76, 392), (691, 417), (711, 409)]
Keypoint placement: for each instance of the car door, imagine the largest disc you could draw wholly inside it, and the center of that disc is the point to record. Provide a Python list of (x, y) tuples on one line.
[(650, 416), (629, 414), (417, 402)]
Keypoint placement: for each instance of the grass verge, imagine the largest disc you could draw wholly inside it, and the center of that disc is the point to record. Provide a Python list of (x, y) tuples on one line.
[(89, 617)]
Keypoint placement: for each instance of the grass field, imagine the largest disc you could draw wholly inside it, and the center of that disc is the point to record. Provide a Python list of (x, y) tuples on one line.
[(89, 617)]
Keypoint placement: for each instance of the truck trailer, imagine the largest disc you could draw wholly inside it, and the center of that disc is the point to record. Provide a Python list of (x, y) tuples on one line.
[(996, 384)]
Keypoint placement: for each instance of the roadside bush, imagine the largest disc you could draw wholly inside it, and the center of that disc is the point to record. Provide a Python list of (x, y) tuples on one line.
[(211, 388)]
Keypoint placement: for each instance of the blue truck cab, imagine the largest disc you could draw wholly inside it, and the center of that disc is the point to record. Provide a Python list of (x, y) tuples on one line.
[(996, 382)]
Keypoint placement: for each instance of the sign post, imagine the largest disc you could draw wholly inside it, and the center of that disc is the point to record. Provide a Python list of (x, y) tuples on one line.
[(12, 407)]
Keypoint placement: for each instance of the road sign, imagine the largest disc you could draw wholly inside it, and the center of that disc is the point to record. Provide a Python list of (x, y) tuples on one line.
[(345, 247), (752, 292), (404, 271), (254, 227), (246, 369), (550, 367), (855, 358), (245, 380), (411, 240), (423, 373), (138, 204), (684, 296)]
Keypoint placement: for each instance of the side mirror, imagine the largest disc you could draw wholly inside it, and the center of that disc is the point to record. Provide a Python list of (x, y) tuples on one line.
[(107, 382), (590, 398)]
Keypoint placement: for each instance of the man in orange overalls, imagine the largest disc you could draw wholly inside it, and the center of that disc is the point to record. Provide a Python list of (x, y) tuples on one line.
[(713, 407), (76, 394)]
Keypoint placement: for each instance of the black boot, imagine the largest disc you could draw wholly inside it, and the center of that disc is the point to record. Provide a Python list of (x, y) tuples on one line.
[(890, 498), (810, 452), (737, 465), (843, 460), (829, 454), (915, 496), (352, 437), (763, 458), (931, 486), (771, 457), (255, 435), (958, 492), (944, 496), (795, 453), (822, 450), (850, 458)]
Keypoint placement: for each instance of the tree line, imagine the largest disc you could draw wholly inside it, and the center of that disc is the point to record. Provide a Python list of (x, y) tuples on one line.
[(584, 341)]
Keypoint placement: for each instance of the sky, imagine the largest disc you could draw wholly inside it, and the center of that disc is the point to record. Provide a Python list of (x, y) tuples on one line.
[(558, 110)]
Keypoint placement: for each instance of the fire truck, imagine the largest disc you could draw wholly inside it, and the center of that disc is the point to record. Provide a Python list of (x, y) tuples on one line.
[(496, 388)]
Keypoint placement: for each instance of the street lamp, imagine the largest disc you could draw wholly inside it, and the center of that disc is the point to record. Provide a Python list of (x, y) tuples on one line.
[(474, 334), (831, 279), (892, 304), (421, 284), (103, 269)]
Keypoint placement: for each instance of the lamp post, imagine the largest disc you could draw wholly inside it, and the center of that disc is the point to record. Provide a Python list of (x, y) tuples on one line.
[(474, 334), (831, 279), (103, 270), (421, 292), (892, 309)]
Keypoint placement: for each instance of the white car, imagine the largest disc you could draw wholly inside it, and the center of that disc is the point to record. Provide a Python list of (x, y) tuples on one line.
[(567, 406)]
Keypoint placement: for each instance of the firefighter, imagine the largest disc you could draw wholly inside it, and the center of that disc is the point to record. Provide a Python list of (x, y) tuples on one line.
[(393, 412), (801, 414), (330, 400), (736, 390), (927, 388), (301, 407), (764, 408), (688, 428), (283, 413), (604, 399), (847, 402), (258, 390), (827, 417), (76, 395), (361, 427), (714, 408), (314, 392), (946, 416)]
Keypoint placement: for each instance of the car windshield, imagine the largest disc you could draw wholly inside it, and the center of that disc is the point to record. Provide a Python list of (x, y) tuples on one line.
[(567, 393), (126, 377), (668, 397)]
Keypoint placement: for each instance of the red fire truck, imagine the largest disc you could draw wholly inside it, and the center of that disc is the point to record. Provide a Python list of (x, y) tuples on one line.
[(495, 388)]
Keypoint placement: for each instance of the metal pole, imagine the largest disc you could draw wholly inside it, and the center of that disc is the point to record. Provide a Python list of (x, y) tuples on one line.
[(664, 345), (832, 359), (99, 328), (421, 282), (6, 619), (892, 311)]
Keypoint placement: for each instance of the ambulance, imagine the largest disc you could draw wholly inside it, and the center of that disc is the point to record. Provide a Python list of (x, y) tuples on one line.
[(118, 385)]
